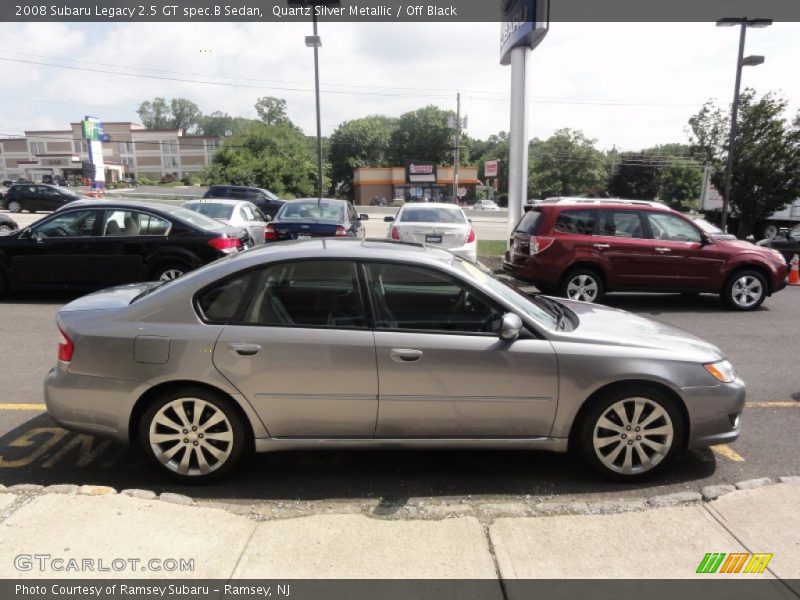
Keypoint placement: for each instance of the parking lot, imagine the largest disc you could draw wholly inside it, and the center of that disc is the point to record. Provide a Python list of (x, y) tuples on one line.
[(761, 344)]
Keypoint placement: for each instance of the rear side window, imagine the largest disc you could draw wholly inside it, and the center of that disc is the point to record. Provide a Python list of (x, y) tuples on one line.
[(528, 222), (621, 223), (220, 302), (576, 221)]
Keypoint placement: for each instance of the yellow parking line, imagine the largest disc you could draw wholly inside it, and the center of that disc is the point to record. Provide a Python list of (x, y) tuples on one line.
[(22, 407), (728, 452), (783, 404)]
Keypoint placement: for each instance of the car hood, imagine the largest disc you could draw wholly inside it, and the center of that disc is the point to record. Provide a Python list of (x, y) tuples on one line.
[(114, 297), (610, 326)]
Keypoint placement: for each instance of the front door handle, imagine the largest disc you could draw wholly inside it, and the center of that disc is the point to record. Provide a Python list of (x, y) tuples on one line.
[(404, 355), (663, 250), (602, 246), (244, 349)]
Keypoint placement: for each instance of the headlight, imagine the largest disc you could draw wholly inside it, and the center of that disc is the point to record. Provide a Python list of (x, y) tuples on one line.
[(721, 371)]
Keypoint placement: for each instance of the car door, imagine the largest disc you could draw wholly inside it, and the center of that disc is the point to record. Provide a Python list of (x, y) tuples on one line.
[(442, 370), (48, 199), (54, 252), (623, 242), (302, 353), (681, 258)]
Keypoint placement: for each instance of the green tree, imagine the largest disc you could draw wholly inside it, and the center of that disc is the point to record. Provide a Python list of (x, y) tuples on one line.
[(217, 123), (766, 160), (565, 164), (272, 110), (277, 157), (680, 183), (185, 114), (155, 114), (495, 147), (423, 134), (364, 142), (178, 113)]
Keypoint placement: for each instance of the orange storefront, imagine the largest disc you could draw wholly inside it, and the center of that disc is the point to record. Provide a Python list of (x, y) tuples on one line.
[(402, 183)]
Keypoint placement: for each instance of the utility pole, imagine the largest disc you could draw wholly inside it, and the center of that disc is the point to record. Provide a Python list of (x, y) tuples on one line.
[(319, 118), (457, 148)]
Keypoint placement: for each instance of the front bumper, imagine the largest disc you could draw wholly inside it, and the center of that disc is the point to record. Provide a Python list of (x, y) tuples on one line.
[(714, 413), (96, 405)]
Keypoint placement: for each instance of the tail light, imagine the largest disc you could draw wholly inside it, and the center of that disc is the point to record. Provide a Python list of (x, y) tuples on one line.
[(540, 244), (340, 232), (225, 245), (395, 233), (270, 235), (66, 347), (471, 236)]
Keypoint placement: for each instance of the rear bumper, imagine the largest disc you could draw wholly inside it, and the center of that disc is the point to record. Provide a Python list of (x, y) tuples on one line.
[(531, 268), (714, 413)]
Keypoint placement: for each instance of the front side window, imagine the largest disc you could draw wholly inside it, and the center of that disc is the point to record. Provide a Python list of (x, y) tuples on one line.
[(794, 234), (413, 298), (621, 223), (75, 223), (308, 294), (672, 228), (575, 221)]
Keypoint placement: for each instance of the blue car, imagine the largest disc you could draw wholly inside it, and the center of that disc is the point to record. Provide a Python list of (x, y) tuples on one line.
[(311, 218)]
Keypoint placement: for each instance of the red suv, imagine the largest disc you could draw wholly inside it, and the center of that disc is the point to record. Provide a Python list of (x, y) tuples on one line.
[(583, 249)]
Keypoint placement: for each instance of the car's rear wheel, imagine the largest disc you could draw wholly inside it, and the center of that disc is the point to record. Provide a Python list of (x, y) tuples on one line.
[(745, 290), (169, 270), (193, 434), (15, 206), (631, 433), (584, 285)]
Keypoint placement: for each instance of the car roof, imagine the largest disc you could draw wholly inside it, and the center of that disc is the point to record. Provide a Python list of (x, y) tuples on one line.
[(338, 200), (567, 201), (226, 201), (130, 204), (431, 205)]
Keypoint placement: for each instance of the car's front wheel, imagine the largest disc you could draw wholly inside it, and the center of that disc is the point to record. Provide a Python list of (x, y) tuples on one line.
[(193, 434), (169, 271), (745, 290), (631, 433), (584, 285), (15, 206)]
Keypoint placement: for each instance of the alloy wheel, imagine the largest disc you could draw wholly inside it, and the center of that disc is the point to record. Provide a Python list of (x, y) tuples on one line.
[(583, 288), (746, 291), (633, 435), (170, 274), (15, 206), (191, 437)]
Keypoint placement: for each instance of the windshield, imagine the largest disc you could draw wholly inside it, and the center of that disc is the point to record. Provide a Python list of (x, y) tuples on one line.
[(210, 209), (432, 215), (530, 305), (313, 211)]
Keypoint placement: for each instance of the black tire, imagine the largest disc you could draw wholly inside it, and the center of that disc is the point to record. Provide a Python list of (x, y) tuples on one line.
[(164, 271), (194, 443), (14, 206), (735, 294), (651, 398), (588, 280), (3, 285)]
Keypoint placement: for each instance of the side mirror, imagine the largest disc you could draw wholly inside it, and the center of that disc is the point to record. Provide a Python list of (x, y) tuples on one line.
[(510, 327), (363, 217), (388, 219), (25, 234)]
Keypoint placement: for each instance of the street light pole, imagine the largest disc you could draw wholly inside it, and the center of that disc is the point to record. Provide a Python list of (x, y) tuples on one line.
[(317, 44)]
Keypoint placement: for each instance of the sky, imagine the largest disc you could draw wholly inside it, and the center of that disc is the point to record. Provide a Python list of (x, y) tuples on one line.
[(627, 85)]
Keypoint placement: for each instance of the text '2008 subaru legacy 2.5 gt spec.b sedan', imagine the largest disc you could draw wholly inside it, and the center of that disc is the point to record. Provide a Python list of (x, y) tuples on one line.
[(346, 343)]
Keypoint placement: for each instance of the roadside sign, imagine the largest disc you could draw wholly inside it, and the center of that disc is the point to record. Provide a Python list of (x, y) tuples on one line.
[(490, 168), (524, 23), (462, 191)]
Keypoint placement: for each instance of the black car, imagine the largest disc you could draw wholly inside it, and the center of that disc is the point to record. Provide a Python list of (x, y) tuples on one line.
[(787, 243), (37, 196), (309, 217), (7, 224), (95, 244), (265, 200)]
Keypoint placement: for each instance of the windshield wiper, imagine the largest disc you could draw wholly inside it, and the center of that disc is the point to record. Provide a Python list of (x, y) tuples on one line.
[(559, 311)]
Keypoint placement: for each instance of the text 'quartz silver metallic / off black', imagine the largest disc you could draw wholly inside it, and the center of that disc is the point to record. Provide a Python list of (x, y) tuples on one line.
[(410, 346)]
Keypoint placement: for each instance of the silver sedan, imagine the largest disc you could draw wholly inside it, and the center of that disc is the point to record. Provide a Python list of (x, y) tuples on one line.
[(348, 343), (435, 223), (237, 213)]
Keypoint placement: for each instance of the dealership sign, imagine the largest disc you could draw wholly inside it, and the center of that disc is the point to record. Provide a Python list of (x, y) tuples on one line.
[(418, 171), (490, 168), (92, 130), (523, 23)]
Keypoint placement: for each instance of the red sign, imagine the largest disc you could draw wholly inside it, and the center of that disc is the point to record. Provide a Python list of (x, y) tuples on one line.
[(490, 168)]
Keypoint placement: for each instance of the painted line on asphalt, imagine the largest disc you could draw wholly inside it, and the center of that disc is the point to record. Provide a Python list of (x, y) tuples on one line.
[(728, 452), (23, 407), (781, 404)]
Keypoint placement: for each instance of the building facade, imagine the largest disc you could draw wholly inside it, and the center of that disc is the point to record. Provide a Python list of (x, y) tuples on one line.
[(132, 151), (417, 181)]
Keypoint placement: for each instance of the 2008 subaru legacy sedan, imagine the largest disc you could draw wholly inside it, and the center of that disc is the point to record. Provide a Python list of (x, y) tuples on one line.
[(352, 343)]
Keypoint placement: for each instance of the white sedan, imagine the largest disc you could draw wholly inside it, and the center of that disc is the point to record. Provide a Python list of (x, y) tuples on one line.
[(485, 205), (442, 225)]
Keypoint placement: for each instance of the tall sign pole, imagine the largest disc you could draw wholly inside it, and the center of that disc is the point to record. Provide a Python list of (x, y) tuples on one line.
[(525, 23)]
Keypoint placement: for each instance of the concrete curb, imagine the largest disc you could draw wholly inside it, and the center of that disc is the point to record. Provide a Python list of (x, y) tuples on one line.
[(421, 509)]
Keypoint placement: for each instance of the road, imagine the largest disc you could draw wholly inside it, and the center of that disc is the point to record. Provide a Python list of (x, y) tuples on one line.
[(761, 344)]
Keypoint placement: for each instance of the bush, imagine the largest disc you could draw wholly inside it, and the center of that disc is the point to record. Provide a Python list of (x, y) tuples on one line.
[(144, 180)]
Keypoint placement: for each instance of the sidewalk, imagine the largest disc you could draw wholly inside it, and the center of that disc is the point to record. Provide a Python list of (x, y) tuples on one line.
[(644, 541)]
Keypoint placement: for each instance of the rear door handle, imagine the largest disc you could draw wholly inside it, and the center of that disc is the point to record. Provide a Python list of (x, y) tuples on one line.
[(244, 349), (601, 246), (663, 250), (404, 355)]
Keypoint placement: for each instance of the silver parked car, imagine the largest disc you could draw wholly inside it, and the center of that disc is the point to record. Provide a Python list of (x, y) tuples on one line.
[(364, 343), (237, 213), (436, 223)]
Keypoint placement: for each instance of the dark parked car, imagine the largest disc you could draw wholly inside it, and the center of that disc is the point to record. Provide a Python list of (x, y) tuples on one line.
[(37, 196), (94, 244), (7, 224), (583, 249), (787, 243), (267, 202), (310, 218)]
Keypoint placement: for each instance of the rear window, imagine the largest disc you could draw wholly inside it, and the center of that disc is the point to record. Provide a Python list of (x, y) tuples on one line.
[(527, 223), (313, 211), (215, 211), (196, 219), (576, 221), (432, 215)]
